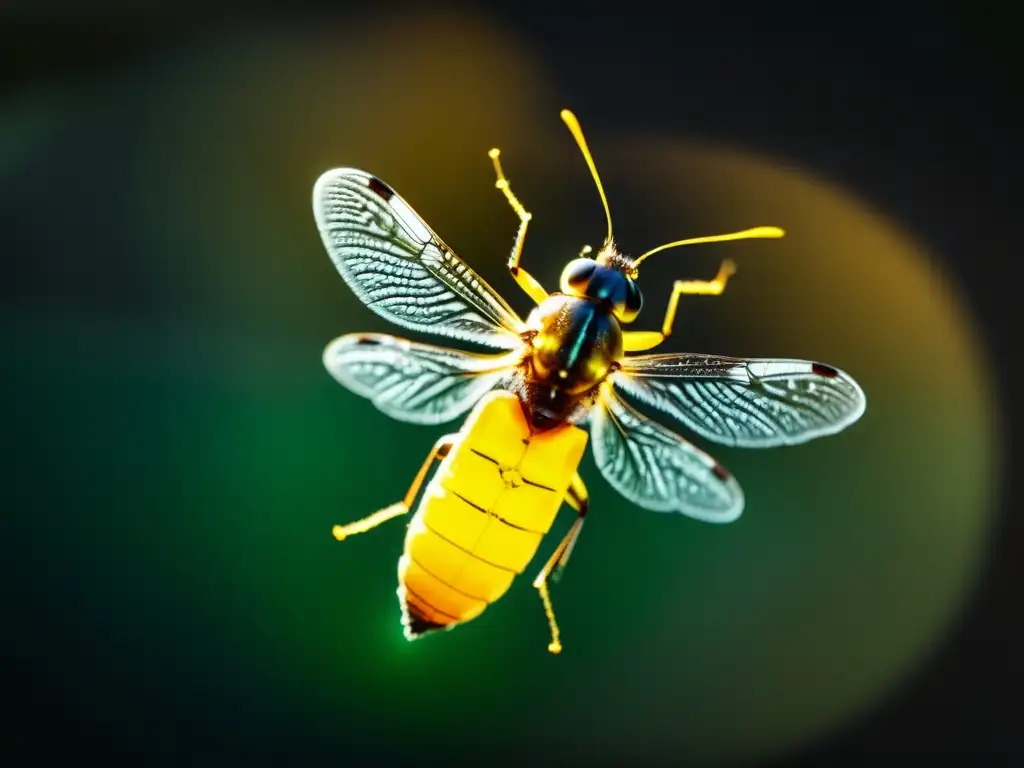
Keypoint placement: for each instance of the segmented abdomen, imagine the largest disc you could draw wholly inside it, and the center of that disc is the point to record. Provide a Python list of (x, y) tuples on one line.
[(483, 514)]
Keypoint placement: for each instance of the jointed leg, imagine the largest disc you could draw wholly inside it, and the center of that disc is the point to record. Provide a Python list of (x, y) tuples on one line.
[(526, 281), (439, 451), (639, 341), (579, 500)]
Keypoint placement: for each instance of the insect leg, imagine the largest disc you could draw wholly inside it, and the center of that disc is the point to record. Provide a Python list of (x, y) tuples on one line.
[(525, 280), (578, 499), (439, 451), (639, 341)]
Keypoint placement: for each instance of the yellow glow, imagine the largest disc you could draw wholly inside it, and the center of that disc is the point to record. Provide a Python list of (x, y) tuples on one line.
[(502, 488)]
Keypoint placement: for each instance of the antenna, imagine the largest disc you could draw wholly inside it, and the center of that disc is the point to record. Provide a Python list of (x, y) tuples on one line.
[(577, 133), (747, 234)]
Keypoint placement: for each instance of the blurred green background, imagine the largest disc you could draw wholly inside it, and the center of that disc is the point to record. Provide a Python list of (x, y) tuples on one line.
[(181, 454)]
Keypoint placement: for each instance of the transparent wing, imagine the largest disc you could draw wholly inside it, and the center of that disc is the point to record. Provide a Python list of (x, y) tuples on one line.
[(412, 382), (746, 403), (656, 468), (393, 261)]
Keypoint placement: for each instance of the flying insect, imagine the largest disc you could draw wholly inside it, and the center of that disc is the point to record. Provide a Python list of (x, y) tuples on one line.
[(568, 368)]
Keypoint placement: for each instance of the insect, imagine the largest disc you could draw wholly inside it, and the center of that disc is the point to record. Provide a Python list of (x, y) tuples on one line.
[(503, 477)]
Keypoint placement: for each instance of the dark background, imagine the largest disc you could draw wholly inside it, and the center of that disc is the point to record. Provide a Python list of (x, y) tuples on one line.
[(913, 115)]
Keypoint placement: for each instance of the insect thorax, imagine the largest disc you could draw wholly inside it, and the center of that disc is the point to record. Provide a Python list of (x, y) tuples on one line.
[(575, 344)]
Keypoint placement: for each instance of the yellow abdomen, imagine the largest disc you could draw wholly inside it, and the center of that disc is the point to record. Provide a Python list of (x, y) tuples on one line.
[(483, 514)]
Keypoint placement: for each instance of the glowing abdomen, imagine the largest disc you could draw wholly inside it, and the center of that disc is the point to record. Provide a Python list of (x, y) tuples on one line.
[(483, 514)]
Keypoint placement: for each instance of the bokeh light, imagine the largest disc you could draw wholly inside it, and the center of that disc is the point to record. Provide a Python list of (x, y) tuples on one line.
[(184, 517)]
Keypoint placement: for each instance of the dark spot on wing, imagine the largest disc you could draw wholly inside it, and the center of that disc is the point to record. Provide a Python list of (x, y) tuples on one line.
[(380, 188), (720, 472), (824, 370), (367, 341)]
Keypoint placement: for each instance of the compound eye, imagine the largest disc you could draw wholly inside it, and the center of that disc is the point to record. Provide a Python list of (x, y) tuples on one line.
[(576, 275), (633, 304)]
